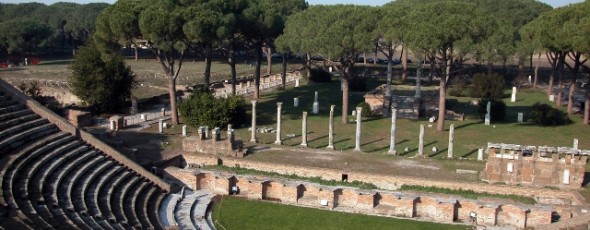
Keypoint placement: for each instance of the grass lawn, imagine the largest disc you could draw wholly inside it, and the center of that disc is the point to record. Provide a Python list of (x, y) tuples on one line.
[(236, 213)]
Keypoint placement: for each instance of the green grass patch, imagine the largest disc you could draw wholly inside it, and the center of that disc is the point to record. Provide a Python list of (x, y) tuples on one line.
[(467, 193), (319, 180), (237, 213)]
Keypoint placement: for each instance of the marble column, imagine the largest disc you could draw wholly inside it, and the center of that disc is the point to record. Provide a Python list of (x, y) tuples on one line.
[(304, 130), (393, 132), (160, 125), (253, 132), (358, 129), (278, 140), (451, 141), (184, 130), (421, 142), (331, 128), (488, 116)]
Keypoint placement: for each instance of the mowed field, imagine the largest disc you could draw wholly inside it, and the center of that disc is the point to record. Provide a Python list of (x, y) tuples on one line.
[(237, 213)]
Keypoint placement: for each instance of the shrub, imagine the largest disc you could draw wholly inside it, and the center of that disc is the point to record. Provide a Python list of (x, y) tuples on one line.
[(104, 85), (545, 115), (366, 109), (319, 75), (498, 109), (202, 108), (457, 88), (488, 86)]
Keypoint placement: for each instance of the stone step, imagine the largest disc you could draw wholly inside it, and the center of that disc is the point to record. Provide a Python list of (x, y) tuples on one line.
[(154, 204), (6, 102), (141, 208), (16, 141), (11, 108), (82, 186), (96, 185), (130, 199), (19, 127), (105, 196), (66, 184), (167, 210), (17, 113), (116, 192), (17, 120)]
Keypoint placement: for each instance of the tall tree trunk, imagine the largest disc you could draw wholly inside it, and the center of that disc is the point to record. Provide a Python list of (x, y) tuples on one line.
[(258, 60), (432, 60), (232, 65), (520, 72), (268, 60), (560, 69), (136, 53), (172, 94), (442, 109), (553, 61), (345, 92), (207, 74), (587, 106), (284, 70), (308, 64), (375, 56), (537, 71), (389, 75), (365, 58), (575, 69), (404, 60)]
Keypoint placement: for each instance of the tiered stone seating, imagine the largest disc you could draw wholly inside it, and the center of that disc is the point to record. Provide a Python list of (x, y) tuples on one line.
[(188, 210), (52, 178)]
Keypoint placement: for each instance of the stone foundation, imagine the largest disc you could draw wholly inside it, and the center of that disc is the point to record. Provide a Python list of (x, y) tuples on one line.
[(430, 207)]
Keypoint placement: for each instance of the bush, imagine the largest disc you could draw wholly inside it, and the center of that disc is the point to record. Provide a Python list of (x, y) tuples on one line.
[(202, 108), (545, 115), (104, 85), (488, 86), (366, 109), (319, 75), (457, 88), (498, 109)]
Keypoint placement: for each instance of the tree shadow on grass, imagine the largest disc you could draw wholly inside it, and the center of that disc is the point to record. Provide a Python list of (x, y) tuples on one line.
[(342, 140), (469, 153), (317, 138), (416, 149), (371, 142), (467, 124)]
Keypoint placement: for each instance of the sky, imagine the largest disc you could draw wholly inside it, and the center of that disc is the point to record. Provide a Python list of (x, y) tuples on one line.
[(554, 3)]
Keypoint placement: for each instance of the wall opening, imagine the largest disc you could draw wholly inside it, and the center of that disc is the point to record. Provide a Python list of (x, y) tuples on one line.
[(345, 177)]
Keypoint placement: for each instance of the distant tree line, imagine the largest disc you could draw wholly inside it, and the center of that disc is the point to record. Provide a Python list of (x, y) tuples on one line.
[(63, 26)]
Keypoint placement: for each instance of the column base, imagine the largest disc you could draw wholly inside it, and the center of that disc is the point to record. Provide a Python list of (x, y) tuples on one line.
[(304, 145), (278, 143), (330, 147), (358, 150), (254, 140), (392, 152)]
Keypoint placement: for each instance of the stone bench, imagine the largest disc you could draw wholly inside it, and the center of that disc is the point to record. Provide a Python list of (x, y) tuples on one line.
[(56, 171), (20, 127), (14, 142), (130, 196), (11, 108), (154, 202), (136, 204), (63, 218), (142, 207), (104, 195), (18, 113), (23, 153), (82, 186), (94, 190), (167, 214), (15, 121), (117, 192), (68, 183)]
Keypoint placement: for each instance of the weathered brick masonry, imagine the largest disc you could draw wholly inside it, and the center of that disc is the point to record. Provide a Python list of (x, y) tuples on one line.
[(425, 206)]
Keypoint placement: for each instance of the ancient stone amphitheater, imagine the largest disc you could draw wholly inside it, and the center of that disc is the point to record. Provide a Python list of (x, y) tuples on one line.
[(56, 176)]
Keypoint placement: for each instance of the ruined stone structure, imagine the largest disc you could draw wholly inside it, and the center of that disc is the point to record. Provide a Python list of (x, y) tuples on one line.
[(513, 164), (54, 175), (430, 207), (407, 105), (213, 144), (79, 118)]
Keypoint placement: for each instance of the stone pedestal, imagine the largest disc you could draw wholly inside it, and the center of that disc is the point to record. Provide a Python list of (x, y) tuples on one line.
[(160, 126), (359, 118), (143, 117), (451, 141), (480, 154), (316, 108), (513, 97), (184, 131), (520, 118), (551, 98), (421, 142), (296, 102), (575, 143), (253, 127), (297, 82), (278, 140), (393, 132), (163, 112), (331, 128), (304, 130)]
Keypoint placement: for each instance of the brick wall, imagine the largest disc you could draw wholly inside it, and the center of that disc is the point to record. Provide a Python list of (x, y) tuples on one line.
[(388, 182), (431, 207), (535, 170)]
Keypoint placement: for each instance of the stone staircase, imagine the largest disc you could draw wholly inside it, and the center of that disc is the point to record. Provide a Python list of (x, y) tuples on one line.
[(187, 210)]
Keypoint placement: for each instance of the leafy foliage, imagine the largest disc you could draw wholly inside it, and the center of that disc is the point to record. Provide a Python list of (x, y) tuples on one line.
[(488, 86), (498, 109), (545, 115), (319, 75), (202, 108), (366, 109), (104, 85)]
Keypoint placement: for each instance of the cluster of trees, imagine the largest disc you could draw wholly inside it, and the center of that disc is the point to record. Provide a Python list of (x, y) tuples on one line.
[(173, 27), (25, 27)]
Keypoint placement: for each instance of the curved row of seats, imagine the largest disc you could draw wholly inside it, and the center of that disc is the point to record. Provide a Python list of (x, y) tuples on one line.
[(50, 179), (188, 210)]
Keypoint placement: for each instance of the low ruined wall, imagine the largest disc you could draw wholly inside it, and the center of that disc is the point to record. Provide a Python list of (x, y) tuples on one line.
[(65, 126), (564, 172), (424, 206), (388, 182)]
